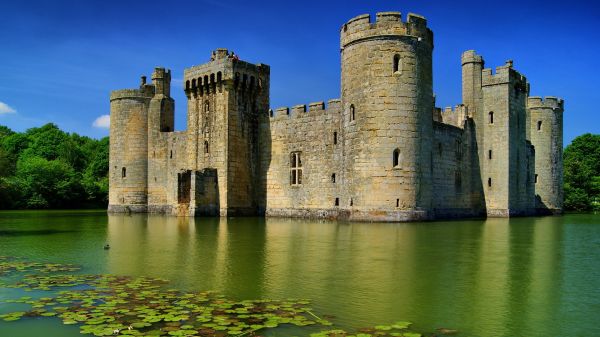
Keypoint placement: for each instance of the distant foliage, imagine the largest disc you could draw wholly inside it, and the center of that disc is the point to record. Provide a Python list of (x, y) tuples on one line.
[(48, 168), (582, 173)]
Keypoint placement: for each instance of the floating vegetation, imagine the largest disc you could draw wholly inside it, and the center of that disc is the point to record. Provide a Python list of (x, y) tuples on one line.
[(9, 265), (396, 329), (108, 305)]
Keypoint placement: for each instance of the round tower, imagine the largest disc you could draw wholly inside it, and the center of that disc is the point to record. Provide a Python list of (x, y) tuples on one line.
[(546, 135), (128, 171), (387, 99)]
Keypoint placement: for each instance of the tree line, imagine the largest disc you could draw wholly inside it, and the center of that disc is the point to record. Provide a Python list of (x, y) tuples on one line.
[(582, 173), (46, 168)]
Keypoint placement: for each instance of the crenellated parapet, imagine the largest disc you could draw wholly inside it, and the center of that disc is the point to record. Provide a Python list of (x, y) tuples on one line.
[(505, 74), (304, 110), (550, 102), (225, 68), (386, 24), (471, 56), (454, 116), (145, 92)]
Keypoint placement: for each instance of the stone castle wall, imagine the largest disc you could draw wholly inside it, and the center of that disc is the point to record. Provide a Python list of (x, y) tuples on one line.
[(313, 132), (382, 152)]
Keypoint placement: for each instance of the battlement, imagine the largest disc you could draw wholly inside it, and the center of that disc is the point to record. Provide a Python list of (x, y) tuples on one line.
[(504, 74), (298, 111), (454, 115), (225, 68), (471, 56), (161, 73), (387, 24), (549, 102), (145, 92)]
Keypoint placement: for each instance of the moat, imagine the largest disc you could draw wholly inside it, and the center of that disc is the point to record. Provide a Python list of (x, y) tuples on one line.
[(495, 277)]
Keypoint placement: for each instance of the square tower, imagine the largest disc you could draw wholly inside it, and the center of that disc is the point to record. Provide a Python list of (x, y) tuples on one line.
[(227, 98)]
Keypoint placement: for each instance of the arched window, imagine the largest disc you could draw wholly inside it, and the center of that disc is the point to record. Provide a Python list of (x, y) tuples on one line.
[(489, 182), (397, 64), (187, 85), (489, 154), (337, 201), (536, 178), (396, 158), (194, 84), (539, 125), (333, 178), (206, 146), (270, 112), (123, 172), (352, 113), (491, 117)]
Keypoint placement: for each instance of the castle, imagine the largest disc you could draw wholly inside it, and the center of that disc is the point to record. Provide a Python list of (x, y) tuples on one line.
[(382, 152)]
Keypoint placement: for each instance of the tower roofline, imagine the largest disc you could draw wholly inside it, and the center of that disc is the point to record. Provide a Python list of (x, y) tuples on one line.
[(548, 102), (386, 24)]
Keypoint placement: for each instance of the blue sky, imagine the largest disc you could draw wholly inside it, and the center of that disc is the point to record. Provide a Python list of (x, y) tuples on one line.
[(59, 60)]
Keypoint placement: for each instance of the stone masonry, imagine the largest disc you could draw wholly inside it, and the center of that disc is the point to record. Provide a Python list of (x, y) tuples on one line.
[(383, 152)]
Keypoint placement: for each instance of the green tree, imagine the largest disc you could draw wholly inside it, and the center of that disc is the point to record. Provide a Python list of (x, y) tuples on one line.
[(48, 183), (582, 173), (46, 167)]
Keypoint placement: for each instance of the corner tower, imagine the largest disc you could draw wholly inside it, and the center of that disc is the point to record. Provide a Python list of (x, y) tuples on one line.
[(546, 134), (387, 102), (128, 170)]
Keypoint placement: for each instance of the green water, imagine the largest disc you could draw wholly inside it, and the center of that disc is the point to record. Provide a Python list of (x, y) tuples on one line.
[(498, 277)]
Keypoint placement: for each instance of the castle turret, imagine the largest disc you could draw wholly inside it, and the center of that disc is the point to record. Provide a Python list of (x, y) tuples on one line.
[(161, 79), (161, 123), (472, 65), (128, 172), (387, 125), (546, 134)]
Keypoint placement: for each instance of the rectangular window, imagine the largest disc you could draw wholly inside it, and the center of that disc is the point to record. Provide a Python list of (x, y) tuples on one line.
[(536, 178), (335, 138), (295, 168), (490, 154), (458, 150)]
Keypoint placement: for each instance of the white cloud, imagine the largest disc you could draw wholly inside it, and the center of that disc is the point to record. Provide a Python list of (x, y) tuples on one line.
[(5, 109), (102, 122)]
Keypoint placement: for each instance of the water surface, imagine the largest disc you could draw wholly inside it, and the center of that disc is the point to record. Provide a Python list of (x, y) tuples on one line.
[(496, 277)]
